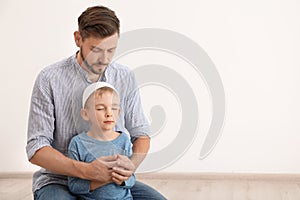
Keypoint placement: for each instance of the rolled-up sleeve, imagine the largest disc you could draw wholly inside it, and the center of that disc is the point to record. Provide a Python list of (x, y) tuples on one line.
[(135, 120), (129, 183), (41, 116)]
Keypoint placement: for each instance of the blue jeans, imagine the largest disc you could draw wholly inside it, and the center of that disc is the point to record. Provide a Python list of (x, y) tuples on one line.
[(139, 191)]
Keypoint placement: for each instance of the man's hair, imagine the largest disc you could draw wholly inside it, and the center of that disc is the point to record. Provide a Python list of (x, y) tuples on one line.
[(98, 21)]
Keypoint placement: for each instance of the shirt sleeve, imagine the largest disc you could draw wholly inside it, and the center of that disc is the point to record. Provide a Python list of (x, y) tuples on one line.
[(41, 116), (77, 185), (135, 120), (131, 181)]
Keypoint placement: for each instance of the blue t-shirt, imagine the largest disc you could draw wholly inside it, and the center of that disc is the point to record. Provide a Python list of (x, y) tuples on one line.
[(86, 149)]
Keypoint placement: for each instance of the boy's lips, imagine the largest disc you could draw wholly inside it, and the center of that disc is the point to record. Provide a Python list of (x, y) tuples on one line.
[(108, 122)]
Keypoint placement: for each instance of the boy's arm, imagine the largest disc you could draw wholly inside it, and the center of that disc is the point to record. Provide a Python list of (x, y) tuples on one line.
[(129, 183), (77, 185)]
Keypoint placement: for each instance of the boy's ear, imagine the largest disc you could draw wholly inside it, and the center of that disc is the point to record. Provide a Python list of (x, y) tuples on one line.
[(84, 114)]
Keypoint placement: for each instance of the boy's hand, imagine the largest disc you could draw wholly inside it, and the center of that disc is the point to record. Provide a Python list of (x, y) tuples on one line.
[(123, 170)]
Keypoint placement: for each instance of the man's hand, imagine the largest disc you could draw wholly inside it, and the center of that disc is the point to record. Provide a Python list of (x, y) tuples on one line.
[(123, 170), (100, 171)]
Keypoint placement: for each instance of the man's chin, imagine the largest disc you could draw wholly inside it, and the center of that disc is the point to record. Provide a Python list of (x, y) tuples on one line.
[(98, 71)]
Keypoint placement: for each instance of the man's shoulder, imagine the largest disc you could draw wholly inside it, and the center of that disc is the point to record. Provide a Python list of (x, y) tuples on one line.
[(119, 68), (119, 74), (58, 71), (59, 65)]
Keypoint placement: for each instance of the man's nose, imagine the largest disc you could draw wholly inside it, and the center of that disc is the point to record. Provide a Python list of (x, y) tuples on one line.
[(104, 58)]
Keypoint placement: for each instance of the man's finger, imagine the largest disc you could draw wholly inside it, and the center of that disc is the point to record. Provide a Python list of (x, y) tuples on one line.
[(119, 177), (109, 164), (108, 158), (122, 171), (125, 162), (116, 181)]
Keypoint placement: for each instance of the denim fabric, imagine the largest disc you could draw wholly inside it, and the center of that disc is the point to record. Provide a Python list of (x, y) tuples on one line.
[(139, 191), (54, 192)]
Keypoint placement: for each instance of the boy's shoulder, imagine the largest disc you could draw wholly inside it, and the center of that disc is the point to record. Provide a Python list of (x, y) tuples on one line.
[(76, 139)]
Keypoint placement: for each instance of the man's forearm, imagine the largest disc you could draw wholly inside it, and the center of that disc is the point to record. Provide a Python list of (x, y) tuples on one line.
[(140, 149), (53, 160), (98, 171)]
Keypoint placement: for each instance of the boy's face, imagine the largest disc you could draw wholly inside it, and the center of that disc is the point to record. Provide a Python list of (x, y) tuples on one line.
[(96, 53), (103, 110)]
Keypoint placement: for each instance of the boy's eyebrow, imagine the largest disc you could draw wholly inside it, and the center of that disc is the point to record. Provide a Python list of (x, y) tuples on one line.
[(101, 104)]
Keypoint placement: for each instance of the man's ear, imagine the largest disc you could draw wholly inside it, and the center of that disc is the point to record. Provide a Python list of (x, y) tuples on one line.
[(77, 38), (84, 114)]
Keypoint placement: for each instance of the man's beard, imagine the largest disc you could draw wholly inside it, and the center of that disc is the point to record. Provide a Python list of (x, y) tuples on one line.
[(90, 68)]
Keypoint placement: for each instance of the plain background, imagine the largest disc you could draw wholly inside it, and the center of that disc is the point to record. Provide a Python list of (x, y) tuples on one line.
[(254, 45)]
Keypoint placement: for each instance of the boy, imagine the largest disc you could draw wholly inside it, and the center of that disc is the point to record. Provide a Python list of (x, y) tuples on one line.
[(100, 107)]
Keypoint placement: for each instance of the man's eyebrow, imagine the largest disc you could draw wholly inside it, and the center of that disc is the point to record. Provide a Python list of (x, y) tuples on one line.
[(98, 48)]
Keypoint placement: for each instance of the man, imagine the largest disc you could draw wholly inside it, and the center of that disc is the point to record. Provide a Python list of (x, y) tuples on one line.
[(55, 113)]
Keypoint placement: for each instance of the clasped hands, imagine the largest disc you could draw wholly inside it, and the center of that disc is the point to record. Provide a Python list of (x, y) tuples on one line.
[(107, 169)]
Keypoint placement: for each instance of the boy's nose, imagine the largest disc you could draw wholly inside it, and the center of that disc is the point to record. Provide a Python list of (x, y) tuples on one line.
[(108, 115)]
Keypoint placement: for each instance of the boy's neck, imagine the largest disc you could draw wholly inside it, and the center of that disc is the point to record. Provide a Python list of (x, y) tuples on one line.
[(108, 135)]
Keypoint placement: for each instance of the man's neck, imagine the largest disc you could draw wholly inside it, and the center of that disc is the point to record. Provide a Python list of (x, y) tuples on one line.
[(92, 77)]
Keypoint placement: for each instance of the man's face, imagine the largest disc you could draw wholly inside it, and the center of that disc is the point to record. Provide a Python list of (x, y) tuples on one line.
[(97, 53)]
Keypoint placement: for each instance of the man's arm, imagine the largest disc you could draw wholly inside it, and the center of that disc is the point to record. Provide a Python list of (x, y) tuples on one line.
[(53, 160), (126, 167), (140, 149), (138, 126)]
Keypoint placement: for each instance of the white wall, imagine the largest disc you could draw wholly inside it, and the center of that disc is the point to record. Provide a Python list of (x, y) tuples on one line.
[(253, 44)]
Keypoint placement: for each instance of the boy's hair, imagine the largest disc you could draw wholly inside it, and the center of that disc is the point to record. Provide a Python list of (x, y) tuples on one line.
[(99, 92), (98, 21)]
